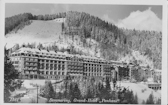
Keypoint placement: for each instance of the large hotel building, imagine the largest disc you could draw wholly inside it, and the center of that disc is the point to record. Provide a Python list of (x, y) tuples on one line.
[(43, 64)]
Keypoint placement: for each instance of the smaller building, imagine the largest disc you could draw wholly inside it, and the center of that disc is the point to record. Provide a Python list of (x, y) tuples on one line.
[(155, 86)]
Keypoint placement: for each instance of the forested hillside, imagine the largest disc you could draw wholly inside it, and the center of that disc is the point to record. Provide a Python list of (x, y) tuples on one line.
[(114, 43)]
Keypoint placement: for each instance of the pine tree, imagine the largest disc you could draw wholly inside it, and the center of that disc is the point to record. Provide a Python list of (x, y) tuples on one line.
[(10, 77), (47, 90), (77, 93), (107, 89), (67, 82), (74, 92), (158, 101), (143, 102), (129, 96), (90, 93), (135, 99), (150, 99)]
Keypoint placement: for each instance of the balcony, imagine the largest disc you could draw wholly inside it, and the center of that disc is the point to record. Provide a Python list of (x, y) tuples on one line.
[(26, 72)]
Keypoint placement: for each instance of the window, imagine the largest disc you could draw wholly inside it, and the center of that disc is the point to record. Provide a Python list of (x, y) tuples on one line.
[(62, 67), (35, 76), (47, 66), (59, 67), (16, 62), (31, 76), (51, 66), (55, 67), (42, 66)]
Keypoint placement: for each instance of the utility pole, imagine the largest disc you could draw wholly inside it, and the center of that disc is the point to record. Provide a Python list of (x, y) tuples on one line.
[(37, 93), (37, 86)]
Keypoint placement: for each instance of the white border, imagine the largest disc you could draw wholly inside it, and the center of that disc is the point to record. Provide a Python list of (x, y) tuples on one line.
[(164, 55), (119, 2)]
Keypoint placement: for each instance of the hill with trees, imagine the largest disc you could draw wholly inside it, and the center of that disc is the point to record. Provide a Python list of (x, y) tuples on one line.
[(113, 43)]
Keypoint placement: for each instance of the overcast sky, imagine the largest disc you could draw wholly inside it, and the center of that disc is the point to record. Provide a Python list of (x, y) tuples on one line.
[(142, 17)]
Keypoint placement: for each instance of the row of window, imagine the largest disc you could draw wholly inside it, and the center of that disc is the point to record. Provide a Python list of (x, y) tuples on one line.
[(27, 76), (30, 68), (52, 73), (51, 67), (15, 58), (31, 59), (52, 61), (16, 67), (15, 62), (92, 70), (59, 56), (75, 67), (92, 65), (75, 63), (30, 64), (30, 72), (75, 70), (36, 55), (74, 59), (52, 77)]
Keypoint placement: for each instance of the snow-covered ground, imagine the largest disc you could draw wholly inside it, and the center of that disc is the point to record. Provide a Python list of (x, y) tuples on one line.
[(49, 33), (137, 89), (32, 98), (27, 83)]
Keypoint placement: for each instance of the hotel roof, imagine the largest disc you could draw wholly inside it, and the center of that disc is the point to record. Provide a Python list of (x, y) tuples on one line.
[(53, 53)]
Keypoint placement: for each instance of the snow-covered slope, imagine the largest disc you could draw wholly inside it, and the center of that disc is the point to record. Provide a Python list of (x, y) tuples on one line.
[(49, 33), (37, 31)]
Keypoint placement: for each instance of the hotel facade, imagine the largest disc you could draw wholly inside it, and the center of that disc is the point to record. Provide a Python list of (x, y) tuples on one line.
[(43, 64)]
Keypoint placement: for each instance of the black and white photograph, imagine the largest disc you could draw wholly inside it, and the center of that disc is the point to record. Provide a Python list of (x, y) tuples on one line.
[(83, 53)]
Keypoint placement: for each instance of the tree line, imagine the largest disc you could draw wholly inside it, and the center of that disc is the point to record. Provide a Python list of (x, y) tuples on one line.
[(91, 89), (19, 21), (114, 42)]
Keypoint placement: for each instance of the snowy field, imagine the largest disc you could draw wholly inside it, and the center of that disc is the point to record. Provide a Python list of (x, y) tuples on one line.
[(49, 33), (137, 89)]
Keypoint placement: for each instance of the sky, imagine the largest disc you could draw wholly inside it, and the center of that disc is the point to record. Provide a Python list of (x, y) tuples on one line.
[(141, 17)]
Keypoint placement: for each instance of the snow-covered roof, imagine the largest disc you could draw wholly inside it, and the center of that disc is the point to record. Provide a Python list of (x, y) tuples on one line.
[(52, 53)]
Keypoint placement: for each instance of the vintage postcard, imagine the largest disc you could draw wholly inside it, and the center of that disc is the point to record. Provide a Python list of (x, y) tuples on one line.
[(96, 53)]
